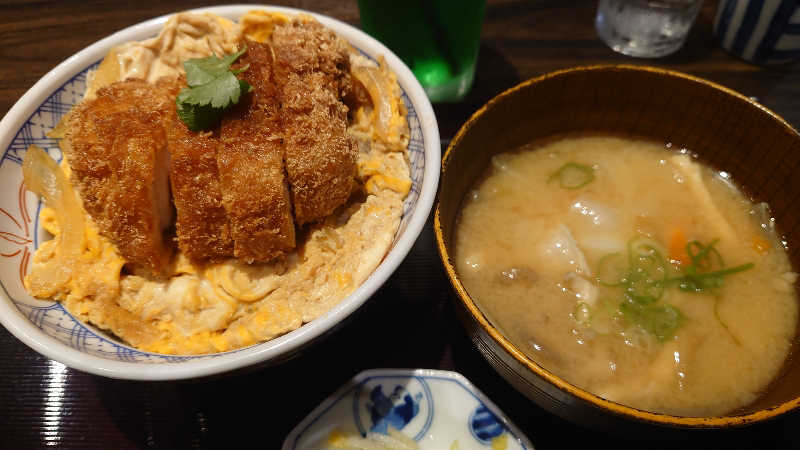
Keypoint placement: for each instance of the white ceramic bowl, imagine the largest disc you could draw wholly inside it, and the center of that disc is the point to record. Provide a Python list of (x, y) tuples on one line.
[(50, 330)]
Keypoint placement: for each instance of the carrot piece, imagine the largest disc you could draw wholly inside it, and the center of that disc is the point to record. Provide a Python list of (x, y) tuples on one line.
[(677, 247), (760, 245)]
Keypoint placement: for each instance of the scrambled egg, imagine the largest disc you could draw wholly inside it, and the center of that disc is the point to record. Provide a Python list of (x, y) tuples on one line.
[(219, 307)]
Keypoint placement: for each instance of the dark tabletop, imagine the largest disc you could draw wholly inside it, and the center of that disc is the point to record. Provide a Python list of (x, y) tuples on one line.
[(408, 323)]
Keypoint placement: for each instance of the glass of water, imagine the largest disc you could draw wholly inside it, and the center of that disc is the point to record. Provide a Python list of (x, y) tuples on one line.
[(646, 28)]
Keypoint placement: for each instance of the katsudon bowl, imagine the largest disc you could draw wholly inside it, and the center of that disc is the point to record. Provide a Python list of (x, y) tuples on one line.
[(728, 131), (48, 328)]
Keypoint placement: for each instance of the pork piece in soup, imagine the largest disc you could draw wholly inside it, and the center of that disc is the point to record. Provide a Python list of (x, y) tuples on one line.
[(632, 271)]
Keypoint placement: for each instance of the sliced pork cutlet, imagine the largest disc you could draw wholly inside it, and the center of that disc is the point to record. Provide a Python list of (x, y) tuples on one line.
[(202, 225), (117, 150), (250, 163), (311, 68)]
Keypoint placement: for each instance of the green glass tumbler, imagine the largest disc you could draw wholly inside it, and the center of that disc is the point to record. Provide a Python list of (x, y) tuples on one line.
[(437, 39)]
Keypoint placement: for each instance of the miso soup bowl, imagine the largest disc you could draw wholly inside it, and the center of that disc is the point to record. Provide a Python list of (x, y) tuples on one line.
[(727, 130)]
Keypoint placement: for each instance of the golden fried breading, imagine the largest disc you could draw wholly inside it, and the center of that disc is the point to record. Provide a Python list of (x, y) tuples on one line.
[(117, 150), (305, 46), (320, 155), (250, 163), (311, 64), (202, 225)]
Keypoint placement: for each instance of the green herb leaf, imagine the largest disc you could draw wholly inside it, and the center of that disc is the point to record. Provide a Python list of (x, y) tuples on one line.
[(200, 71), (198, 117), (213, 88), (573, 175)]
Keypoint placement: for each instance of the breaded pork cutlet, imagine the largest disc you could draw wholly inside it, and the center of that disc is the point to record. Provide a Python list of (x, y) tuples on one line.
[(202, 225), (250, 163), (311, 70), (117, 150)]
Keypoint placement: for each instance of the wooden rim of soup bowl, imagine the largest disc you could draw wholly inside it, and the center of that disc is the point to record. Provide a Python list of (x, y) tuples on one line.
[(476, 314)]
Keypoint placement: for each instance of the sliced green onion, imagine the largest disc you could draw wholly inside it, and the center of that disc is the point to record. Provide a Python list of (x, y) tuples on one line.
[(648, 271), (573, 175), (705, 258), (612, 270), (723, 324), (709, 280), (641, 246), (659, 320), (605, 317), (582, 313), (701, 256), (644, 290), (644, 276)]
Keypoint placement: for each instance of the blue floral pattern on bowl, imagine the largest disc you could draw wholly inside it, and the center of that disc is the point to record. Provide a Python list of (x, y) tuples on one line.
[(437, 409), (396, 410)]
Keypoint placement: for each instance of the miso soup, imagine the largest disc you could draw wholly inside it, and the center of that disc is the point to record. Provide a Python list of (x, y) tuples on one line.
[(632, 271)]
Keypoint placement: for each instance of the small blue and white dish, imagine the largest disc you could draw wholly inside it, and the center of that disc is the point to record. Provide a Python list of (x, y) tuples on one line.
[(435, 409)]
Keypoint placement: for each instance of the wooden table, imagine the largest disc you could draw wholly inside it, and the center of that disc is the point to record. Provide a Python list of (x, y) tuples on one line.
[(408, 323)]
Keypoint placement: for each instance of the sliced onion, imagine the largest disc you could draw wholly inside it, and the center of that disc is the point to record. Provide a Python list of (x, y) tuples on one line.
[(373, 81), (44, 178)]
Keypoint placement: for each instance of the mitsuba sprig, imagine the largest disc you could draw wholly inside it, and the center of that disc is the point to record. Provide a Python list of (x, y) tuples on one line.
[(212, 89)]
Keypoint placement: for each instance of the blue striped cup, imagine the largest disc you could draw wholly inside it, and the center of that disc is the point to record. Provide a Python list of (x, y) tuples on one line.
[(759, 31)]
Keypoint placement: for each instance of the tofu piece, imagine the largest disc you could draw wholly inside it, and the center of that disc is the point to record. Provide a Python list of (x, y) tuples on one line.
[(312, 71), (250, 164), (117, 150)]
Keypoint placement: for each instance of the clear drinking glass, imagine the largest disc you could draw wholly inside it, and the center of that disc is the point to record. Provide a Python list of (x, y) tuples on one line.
[(645, 28)]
